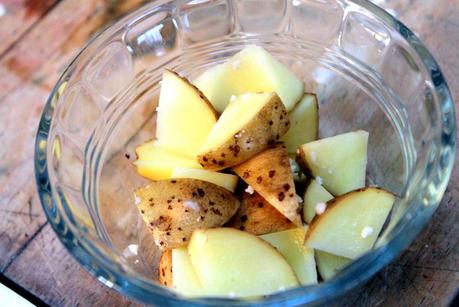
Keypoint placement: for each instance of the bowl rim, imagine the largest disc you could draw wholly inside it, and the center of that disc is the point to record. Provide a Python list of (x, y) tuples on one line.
[(100, 266)]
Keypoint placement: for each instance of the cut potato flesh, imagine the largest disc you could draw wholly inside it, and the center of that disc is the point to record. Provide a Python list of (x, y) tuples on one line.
[(304, 123), (226, 181), (314, 196), (290, 243), (156, 163), (249, 124), (270, 175), (339, 161), (328, 264), (185, 117), (351, 223), (234, 263), (184, 278), (251, 70)]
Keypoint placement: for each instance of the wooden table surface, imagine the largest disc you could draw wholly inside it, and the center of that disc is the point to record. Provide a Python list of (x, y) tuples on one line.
[(38, 38)]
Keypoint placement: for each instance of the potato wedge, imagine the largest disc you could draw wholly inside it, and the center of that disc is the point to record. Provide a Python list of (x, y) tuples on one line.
[(339, 161), (165, 268), (185, 116), (233, 263), (249, 71), (227, 181), (257, 216), (314, 195), (269, 173), (156, 163), (304, 123), (173, 208), (184, 278), (290, 243), (351, 223), (247, 126), (328, 264)]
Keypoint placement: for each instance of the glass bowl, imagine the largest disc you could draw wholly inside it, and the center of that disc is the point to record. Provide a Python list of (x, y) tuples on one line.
[(369, 72)]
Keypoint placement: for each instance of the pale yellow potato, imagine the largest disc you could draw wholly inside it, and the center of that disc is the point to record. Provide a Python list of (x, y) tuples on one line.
[(351, 222), (251, 70), (184, 278), (227, 181), (269, 173), (304, 123), (314, 195), (234, 263), (248, 125), (173, 208), (257, 216), (328, 264), (185, 116), (165, 268), (290, 243), (339, 161), (156, 163)]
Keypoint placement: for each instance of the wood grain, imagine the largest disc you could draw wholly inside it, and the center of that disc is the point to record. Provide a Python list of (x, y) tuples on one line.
[(54, 275), (39, 38)]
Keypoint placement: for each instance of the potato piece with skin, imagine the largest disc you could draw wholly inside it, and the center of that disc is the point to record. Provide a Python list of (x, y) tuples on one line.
[(314, 195), (185, 116), (184, 278), (248, 125), (339, 161), (156, 163), (227, 181), (251, 70), (328, 264), (234, 263), (165, 268), (269, 173), (304, 123), (173, 208), (257, 216), (351, 223), (290, 243)]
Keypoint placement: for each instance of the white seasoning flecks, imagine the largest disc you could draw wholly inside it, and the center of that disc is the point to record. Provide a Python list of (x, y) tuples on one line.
[(192, 205), (137, 200), (319, 180), (329, 171), (235, 64), (298, 198), (250, 190), (320, 208), (313, 156), (281, 288), (298, 151), (232, 98), (366, 231), (231, 295)]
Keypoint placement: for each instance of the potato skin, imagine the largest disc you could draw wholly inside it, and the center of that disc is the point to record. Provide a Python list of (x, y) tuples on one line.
[(257, 216), (269, 173), (173, 208), (268, 125), (165, 268)]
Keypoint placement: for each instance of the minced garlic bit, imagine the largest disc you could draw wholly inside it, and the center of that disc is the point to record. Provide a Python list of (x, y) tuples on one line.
[(192, 205), (320, 208), (313, 156), (232, 98), (319, 180), (235, 64), (366, 231), (298, 198), (250, 190)]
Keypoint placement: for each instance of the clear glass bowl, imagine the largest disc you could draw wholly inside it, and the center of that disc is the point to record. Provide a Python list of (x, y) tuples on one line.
[(369, 71)]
